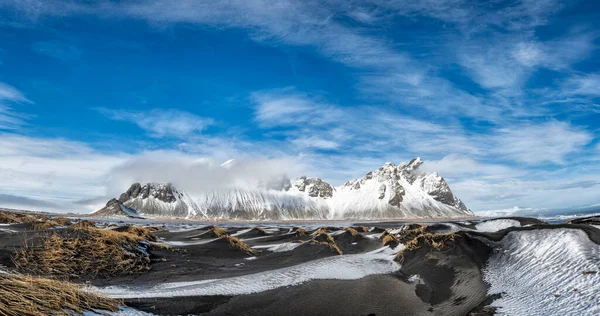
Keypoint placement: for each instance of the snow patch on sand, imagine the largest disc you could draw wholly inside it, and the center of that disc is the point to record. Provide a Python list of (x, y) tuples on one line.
[(123, 311), (546, 272), (347, 267), (495, 225)]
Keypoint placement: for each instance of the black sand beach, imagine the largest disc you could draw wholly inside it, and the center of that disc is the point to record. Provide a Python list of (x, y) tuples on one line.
[(433, 277)]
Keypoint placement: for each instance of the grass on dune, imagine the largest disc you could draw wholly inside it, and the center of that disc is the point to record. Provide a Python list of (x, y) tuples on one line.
[(83, 249), (300, 232), (325, 239), (50, 223), (390, 240), (320, 231), (7, 217), (434, 241), (352, 231), (219, 232), (236, 243), (29, 295)]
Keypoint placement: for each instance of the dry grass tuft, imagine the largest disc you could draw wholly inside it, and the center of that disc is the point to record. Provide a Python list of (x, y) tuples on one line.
[(19, 217), (332, 246), (325, 239), (219, 232), (301, 232), (352, 231), (435, 241), (412, 232), (261, 231), (236, 243), (28, 295), (84, 225), (84, 250), (143, 232), (156, 229), (50, 223), (390, 240), (320, 231), (364, 229)]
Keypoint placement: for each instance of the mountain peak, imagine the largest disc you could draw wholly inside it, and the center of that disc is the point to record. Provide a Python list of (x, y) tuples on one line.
[(389, 192)]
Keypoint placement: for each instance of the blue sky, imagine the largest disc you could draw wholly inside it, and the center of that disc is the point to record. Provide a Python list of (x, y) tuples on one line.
[(500, 97)]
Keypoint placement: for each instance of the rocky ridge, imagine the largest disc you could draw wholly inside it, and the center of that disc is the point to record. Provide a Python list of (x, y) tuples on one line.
[(390, 192)]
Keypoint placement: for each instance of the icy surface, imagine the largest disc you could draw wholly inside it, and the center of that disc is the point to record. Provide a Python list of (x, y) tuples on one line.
[(347, 267), (123, 311), (495, 225), (543, 272), (288, 246)]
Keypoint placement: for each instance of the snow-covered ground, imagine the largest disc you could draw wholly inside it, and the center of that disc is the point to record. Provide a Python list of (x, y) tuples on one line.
[(347, 267), (495, 225), (545, 272)]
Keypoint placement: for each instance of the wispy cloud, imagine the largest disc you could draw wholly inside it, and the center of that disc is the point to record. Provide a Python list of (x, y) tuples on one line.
[(161, 123), (582, 85), (50, 169), (9, 118), (10, 93), (57, 49), (538, 143), (287, 107), (9, 200)]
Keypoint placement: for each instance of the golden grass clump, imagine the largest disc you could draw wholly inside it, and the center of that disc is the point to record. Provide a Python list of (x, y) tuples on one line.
[(219, 232), (435, 241), (84, 250), (352, 231), (29, 295), (156, 229), (49, 223), (85, 224), (325, 239), (332, 246), (19, 217), (236, 243), (390, 240), (300, 232), (320, 231), (142, 232), (261, 231), (413, 231), (364, 229)]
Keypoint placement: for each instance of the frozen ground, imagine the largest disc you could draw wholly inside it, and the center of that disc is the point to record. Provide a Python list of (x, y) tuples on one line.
[(546, 272)]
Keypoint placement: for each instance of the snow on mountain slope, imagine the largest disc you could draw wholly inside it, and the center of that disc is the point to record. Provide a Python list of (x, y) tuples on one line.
[(114, 208), (155, 199), (261, 205), (396, 192), (387, 193)]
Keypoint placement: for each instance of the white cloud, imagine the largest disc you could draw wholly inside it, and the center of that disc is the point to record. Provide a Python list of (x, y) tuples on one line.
[(162, 123), (196, 174), (315, 142), (9, 119), (538, 143), (54, 170), (289, 108), (585, 85), (10, 93), (458, 166)]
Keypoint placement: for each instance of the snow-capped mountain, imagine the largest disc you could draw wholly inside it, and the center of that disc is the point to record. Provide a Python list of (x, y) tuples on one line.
[(396, 192), (390, 192)]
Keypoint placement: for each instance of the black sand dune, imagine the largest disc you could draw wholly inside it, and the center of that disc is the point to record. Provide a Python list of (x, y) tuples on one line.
[(444, 280)]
